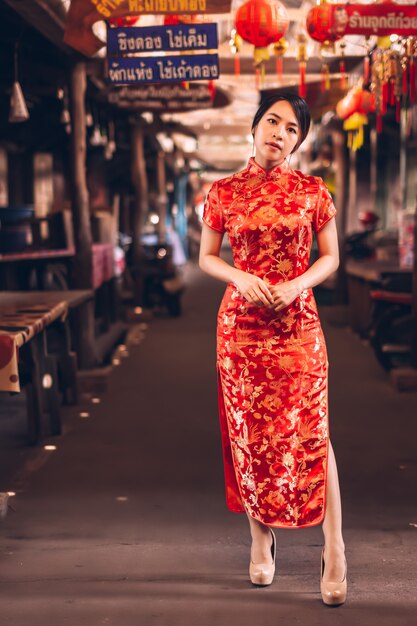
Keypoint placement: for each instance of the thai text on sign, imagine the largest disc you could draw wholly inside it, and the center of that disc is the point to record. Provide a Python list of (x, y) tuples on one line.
[(127, 70), (111, 8), (154, 38), (162, 97), (372, 19), (83, 14)]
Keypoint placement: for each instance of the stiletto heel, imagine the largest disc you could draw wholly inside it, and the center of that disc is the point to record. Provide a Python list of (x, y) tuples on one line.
[(332, 593), (262, 574)]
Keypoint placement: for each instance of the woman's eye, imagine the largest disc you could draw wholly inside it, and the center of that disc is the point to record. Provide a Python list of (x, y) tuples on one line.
[(292, 130), (272, 120)]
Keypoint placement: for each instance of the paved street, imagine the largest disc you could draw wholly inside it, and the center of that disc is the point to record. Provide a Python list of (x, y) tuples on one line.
[(125, 524)]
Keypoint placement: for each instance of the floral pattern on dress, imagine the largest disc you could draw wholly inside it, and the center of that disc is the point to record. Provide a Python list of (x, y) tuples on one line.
[(272, 366)]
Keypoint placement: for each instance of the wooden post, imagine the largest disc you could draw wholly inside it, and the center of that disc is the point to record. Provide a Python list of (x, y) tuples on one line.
[(140, 183), (162, 195), (83, 263), (80, 200)]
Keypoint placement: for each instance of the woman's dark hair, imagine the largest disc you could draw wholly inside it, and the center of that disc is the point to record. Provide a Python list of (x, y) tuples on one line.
[(299, 106)]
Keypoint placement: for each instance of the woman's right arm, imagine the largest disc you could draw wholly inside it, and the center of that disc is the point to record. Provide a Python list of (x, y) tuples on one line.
[(253, 288)]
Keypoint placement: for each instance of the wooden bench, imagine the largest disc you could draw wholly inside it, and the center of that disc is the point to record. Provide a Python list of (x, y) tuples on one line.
[(38, 351)]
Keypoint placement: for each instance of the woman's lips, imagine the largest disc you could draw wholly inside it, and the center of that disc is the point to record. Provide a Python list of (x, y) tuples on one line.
[(274, 146)]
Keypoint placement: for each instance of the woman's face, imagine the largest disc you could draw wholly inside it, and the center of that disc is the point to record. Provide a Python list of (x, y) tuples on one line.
[(276, 134)]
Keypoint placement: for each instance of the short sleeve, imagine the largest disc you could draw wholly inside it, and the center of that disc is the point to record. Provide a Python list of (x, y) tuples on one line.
[(325, 208), (213, 214)]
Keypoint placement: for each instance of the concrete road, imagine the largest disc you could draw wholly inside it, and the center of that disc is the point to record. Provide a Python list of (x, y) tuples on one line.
[(125, 524)]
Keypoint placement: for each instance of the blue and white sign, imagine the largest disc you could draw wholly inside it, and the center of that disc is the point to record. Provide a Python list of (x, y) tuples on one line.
[(135, 39), (129, 70)]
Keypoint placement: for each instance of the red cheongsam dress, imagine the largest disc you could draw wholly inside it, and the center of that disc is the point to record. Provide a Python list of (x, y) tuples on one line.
[(272, 366)]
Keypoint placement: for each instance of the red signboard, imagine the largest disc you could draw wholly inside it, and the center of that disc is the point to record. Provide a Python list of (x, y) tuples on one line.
[(84, 13), (382, 19)]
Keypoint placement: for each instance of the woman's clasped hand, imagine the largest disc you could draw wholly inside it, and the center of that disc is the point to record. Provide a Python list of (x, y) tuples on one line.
[(261, 293)]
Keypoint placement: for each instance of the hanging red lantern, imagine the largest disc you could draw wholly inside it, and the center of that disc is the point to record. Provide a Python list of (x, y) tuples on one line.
[(319, 24), (262, 22), (358, 100), (124, 22)]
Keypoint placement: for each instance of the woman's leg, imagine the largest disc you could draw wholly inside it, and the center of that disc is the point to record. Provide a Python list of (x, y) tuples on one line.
[(261, 541), (334, 554)]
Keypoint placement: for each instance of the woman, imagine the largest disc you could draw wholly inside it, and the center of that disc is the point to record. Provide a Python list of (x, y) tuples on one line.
[(271, 354)]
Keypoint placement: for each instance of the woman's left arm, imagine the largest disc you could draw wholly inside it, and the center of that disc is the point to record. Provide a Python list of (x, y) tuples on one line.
[(326, 264)]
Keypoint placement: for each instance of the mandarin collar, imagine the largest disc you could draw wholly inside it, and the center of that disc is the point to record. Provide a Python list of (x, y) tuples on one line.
[(275, 172)]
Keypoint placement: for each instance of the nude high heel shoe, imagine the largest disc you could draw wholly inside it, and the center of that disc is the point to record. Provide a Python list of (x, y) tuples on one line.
[(332, 593), (262, 574)]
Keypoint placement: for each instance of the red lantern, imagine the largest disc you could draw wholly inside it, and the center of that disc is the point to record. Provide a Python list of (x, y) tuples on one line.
[(262, 22), (358, 100), (123, 22), (319, 23)]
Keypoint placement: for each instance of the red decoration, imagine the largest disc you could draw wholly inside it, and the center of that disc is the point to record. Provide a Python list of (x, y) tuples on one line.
[(320, 24), (262, 22), (358, 100), (412, 68), (172, 20), (302, 90), (279, 65), (122, 22)]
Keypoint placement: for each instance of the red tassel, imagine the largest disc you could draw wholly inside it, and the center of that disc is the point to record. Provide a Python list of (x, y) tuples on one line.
[(405, 82), (237, 65), (378, 123), (279, 68), (366, 65), (385, 95), (302, 91), (412, 81), (398, 110), (343, 75), (212, 89)]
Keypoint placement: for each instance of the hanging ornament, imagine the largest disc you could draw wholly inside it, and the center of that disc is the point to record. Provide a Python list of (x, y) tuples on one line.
[(302, 63), (280, 48), (261, 23), (366, 62), (354, 127), (212, 89), (123, 22), (319, 23), (172, 20), (235, 43), (18, 111)]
